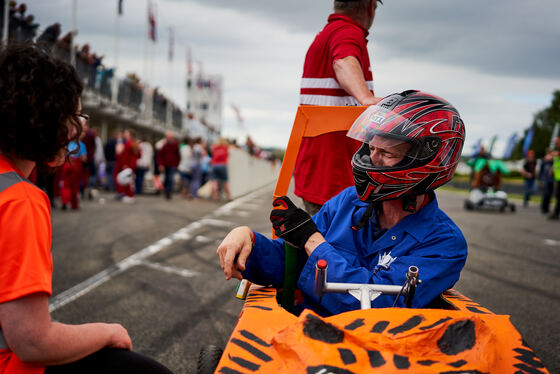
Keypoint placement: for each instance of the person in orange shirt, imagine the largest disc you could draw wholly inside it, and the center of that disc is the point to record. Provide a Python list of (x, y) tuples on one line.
[(39, 115)]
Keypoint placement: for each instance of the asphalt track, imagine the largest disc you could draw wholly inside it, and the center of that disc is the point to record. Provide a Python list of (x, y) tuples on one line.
[(152, 267)]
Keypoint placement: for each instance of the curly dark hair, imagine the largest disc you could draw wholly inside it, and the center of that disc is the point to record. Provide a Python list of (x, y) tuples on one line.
[(40, 96)]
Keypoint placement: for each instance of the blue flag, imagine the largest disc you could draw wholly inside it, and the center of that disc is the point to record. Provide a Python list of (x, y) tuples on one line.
[(510, 146), (528, 140), (476, 147)]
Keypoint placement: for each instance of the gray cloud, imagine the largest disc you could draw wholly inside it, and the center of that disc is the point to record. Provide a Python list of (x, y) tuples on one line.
[(495, 60), (513, 37), (516, 38)]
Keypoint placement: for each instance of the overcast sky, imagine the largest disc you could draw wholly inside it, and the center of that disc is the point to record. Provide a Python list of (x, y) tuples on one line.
[(497, 61)]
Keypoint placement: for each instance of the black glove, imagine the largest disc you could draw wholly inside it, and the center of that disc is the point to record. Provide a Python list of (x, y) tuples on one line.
[(291, 223)]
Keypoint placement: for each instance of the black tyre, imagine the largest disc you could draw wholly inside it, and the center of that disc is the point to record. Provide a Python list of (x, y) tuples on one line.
[(208, 359), (468, 205), (512, 207)]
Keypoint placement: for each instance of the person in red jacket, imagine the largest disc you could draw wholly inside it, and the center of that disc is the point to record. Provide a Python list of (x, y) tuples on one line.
[(337, 72), (71, 175), (127, 155), (39, 116), (168, 160)]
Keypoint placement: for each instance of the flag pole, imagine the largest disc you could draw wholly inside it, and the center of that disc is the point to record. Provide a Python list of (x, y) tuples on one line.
[(152, 62), (117, 41), (189, 78), (5, 29), (146, 37), (153, 43), (74, 32), (170, 58)]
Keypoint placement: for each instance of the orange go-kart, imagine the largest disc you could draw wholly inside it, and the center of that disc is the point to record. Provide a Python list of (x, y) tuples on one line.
[(453, 335)]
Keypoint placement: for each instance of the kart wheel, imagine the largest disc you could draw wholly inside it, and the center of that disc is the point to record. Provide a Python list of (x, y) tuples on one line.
[(208, 359), (468, 205), (512, 207)]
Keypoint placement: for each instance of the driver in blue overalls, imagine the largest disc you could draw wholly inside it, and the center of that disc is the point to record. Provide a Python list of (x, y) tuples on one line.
[(374, 231)]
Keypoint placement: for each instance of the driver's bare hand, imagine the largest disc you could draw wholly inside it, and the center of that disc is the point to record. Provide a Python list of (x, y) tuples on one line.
[(234, 251)]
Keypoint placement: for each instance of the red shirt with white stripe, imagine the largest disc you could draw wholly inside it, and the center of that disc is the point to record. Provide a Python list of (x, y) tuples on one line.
[(323, 166)]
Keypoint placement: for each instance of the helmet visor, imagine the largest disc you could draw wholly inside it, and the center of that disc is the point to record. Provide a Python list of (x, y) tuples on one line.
[(374, 121), (385, 149)]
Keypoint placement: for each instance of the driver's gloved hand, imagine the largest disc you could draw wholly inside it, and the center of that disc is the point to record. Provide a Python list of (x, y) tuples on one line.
[(291, 223)]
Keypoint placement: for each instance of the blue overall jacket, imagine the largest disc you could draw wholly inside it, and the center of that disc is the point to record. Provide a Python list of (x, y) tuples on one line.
[(428, 239)]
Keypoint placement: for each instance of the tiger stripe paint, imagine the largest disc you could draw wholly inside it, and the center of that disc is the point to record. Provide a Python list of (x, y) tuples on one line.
[(463, 338)]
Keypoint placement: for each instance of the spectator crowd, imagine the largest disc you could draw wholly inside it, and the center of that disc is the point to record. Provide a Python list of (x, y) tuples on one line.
[(22, 28), (130, 166), (125, 163)]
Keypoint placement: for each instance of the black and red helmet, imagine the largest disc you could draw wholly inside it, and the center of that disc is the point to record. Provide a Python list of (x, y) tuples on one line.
[(429, 124)]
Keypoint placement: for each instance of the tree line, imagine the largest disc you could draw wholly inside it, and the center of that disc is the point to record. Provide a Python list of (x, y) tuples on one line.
[(543, 126)]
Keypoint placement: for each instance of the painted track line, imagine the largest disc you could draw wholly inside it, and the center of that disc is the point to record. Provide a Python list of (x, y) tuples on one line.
[(139, 257), (169, 269)]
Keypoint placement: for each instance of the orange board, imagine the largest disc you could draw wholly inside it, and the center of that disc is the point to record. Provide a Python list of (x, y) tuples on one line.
[(312, 121)]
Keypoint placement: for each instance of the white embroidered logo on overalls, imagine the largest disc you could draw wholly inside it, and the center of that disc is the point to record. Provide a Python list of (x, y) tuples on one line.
[(386, 260)]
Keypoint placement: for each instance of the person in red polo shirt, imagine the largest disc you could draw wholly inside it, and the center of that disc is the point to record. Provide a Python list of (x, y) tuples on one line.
[(39, 115), (336, 72)]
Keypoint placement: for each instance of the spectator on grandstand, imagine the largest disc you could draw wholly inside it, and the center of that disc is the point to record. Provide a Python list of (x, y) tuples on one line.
[(82, 62), (62, 47), (16, 18), (159, 105), (94, 63), (106, 77), (27, 29), (49, 37)]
